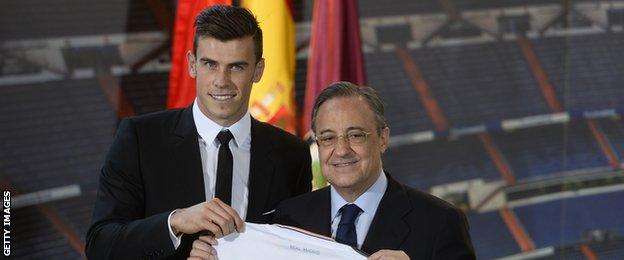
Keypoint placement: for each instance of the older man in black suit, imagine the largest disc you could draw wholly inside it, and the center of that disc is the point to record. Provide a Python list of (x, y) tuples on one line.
[(364, 207), (202, 169)]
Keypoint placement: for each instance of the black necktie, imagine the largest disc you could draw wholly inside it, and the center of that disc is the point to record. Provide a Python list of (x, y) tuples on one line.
[(346, 228), (223, 189)]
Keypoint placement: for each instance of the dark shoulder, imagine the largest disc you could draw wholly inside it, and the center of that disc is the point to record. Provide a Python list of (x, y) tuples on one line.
[(158, 124), (159, 117), (304, 199), (301, 206), (427, 200), (435, 209)]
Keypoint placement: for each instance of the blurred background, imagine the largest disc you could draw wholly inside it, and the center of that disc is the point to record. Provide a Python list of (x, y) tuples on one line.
[(511, 110)]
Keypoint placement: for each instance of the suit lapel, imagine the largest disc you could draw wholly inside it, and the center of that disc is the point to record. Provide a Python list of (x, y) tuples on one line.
[(319, 213), (261, 171), (388, 229), (188, 158)]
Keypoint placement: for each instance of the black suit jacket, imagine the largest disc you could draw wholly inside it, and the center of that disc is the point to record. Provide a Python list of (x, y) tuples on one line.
[(420, 224), (154, 166)]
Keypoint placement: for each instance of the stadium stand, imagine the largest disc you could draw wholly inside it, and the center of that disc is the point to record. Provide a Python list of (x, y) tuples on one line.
[(480, 83), (35, 19), (428, 164), (404, 110), (585, 70), (398, 7), (614, 130), (77, 211), (490, 236), (146, 92), (563, 222), (568, 252), (550, 149), (54, 132), (37, 238), (613, 249)]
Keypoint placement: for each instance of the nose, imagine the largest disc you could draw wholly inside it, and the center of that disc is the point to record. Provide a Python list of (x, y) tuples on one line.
[(222, 78), (342, 147)]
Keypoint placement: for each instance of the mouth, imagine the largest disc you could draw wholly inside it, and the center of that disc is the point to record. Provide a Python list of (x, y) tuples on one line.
[(343, 164), (222, 97)]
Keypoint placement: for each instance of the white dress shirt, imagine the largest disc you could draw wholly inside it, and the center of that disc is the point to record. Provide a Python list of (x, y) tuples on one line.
[(368, 202), (240, 146)]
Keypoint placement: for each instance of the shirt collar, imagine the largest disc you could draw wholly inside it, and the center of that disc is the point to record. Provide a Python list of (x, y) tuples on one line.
[(208, 129), (368, 201)]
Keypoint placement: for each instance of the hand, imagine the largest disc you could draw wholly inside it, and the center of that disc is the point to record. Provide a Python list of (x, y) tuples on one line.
[(202, 249), (389, 255), (214, 216)]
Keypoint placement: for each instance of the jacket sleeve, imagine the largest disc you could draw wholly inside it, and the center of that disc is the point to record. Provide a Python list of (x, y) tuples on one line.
[(453, 241), (120, 229), (304, 180)]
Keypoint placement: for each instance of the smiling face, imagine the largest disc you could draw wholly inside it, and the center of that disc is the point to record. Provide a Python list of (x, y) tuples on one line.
[(224, 72), (350, 168)]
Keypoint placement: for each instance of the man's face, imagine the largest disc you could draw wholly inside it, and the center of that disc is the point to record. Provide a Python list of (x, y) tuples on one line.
[(350, 167), (224, 73)]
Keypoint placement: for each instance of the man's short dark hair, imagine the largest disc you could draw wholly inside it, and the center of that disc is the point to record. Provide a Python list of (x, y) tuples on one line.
[(224, 23), (348, 89)]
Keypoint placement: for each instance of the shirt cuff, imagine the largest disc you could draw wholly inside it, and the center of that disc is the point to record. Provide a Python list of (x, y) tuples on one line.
[(176, 240)]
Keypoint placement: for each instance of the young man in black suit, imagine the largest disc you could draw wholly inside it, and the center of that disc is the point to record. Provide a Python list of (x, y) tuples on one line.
[(364, 207), (167, 175)]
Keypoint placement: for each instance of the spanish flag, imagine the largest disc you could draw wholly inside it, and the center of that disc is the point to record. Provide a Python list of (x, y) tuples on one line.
[(272, 99)]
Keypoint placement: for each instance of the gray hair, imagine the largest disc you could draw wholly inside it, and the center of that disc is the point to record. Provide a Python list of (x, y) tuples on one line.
[(348, 89)]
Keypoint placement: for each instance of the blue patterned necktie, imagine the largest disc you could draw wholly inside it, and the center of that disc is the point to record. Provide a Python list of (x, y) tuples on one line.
[(346, 233)]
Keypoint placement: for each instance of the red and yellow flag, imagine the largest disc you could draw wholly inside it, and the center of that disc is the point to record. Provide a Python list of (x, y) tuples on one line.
[(181, 85), (272, 99)]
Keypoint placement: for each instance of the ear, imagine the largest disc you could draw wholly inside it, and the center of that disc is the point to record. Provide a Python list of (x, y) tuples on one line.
[(191, 64), (259, 71), (384, 139)]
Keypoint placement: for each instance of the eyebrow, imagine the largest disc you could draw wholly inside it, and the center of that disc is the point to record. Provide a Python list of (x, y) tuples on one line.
[(348, 129), (237, 63)]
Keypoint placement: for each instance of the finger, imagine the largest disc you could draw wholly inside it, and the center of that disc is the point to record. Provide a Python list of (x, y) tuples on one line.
[(222, 214), (212, 215), (211, 240), (389, 254), (202, 254), (239, 223), (377, 255), (199, 254), (203, 246), (212, 227), (227, 213)]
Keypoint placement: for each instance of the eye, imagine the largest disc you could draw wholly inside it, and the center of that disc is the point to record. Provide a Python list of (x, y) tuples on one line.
[(237, 68), (210, 64), (327, 138), (357, 137)]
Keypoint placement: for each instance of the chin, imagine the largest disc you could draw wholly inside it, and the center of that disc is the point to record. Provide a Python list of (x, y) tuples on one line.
[(342, 182)]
